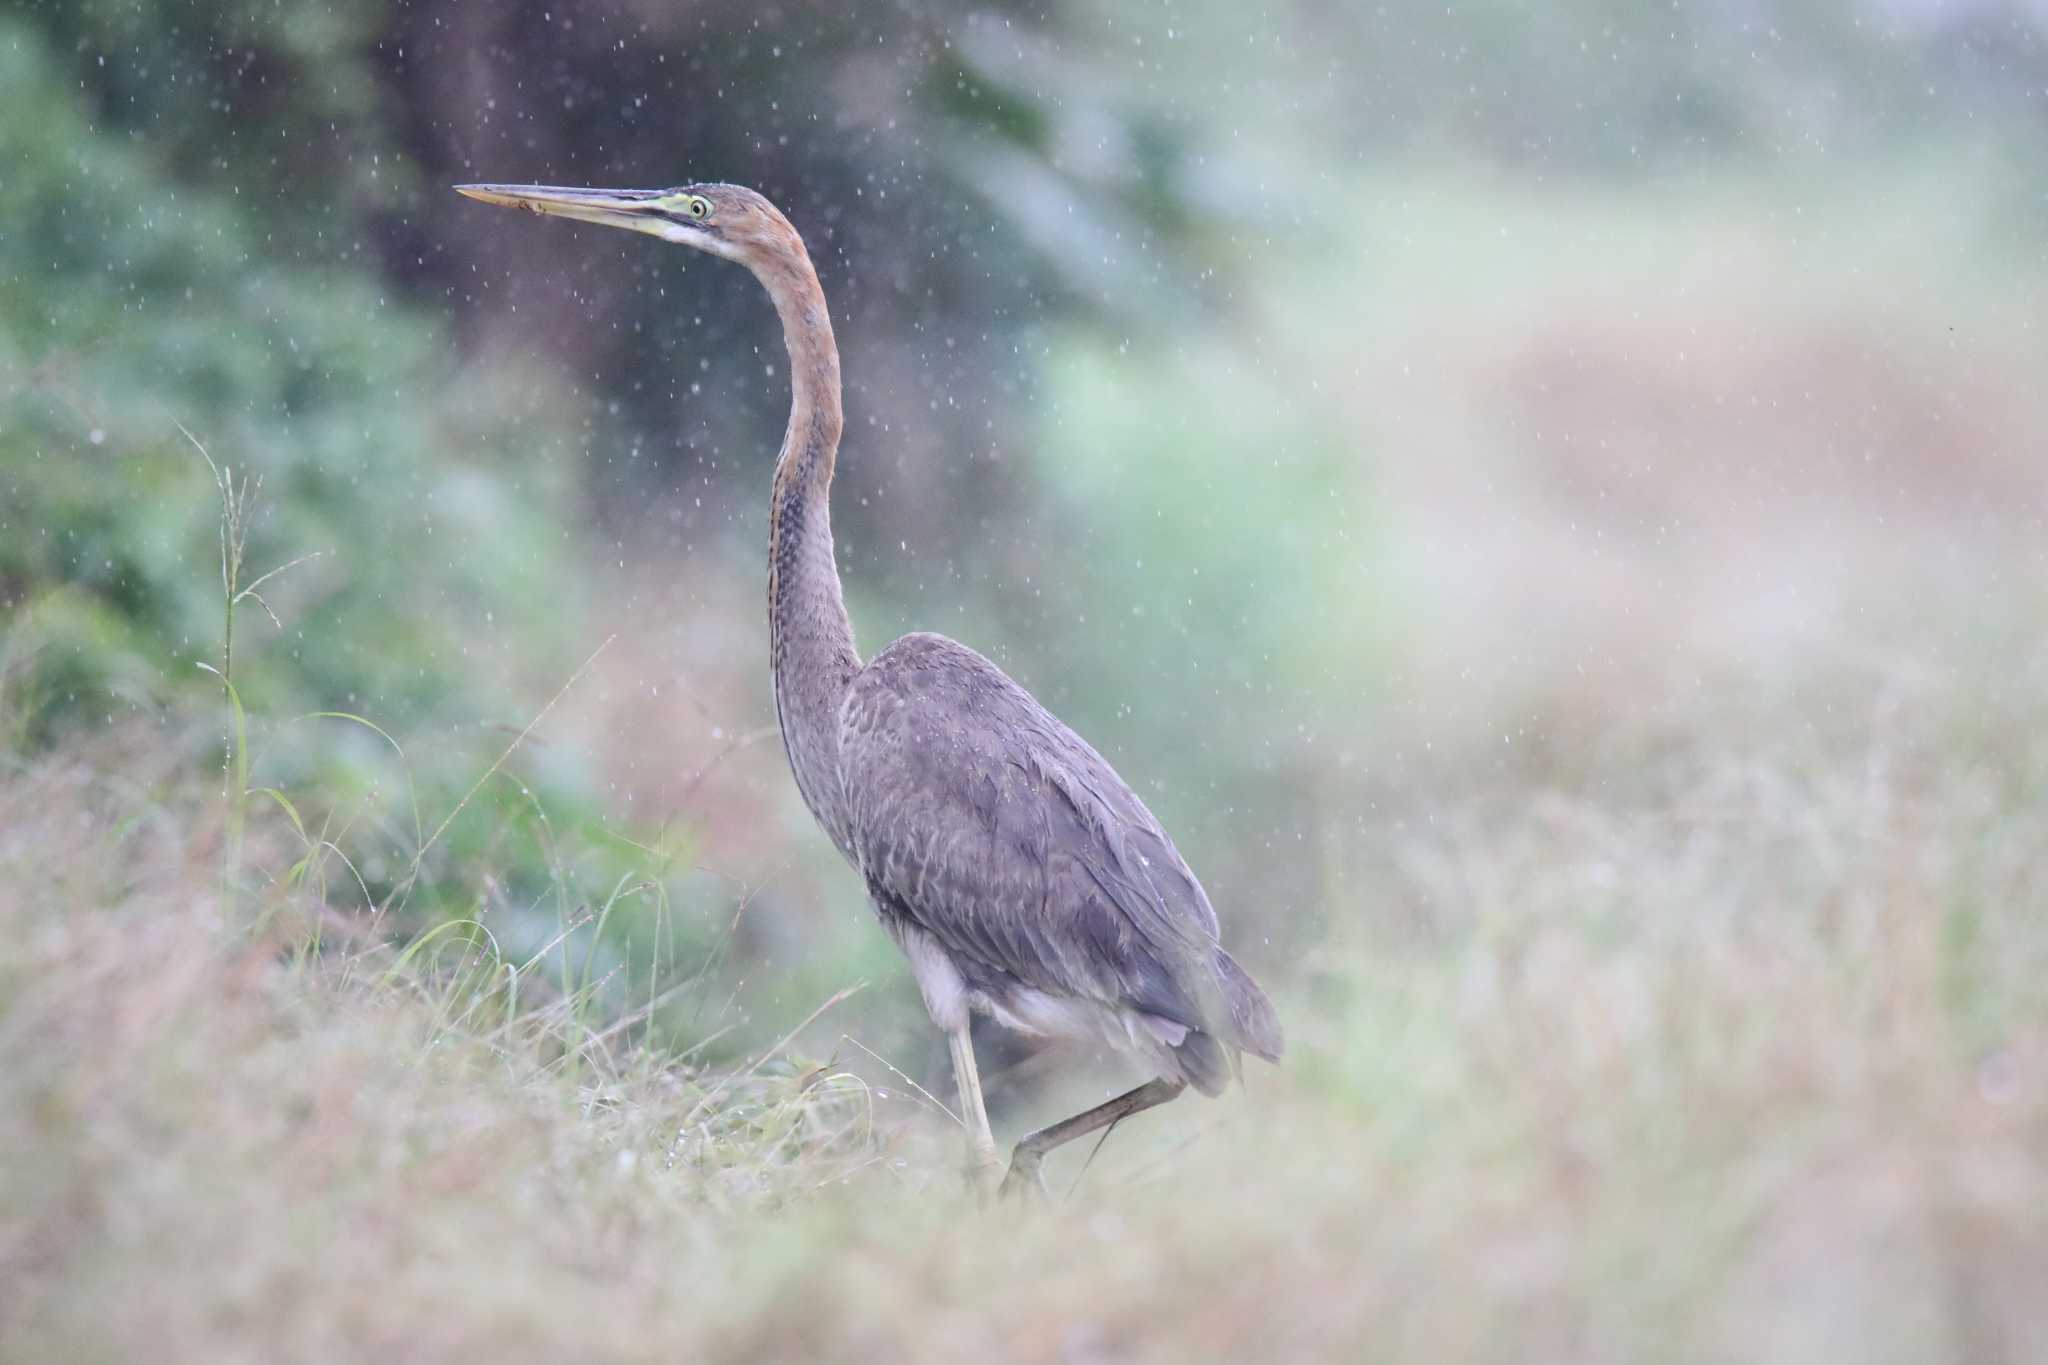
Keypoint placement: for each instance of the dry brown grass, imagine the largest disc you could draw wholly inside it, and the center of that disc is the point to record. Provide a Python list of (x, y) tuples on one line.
[(1710, 1054)]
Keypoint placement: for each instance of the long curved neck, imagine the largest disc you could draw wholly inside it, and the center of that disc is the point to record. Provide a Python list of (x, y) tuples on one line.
[(811, 639)]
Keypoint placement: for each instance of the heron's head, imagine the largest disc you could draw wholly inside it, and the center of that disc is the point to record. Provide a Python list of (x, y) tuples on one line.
[(726, 220)]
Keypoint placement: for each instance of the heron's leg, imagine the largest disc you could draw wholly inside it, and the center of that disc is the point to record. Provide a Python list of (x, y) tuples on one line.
[(1024, 1163), (982, 1162)]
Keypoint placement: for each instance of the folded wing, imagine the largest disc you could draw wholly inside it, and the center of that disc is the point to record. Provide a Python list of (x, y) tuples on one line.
[(998, 831)]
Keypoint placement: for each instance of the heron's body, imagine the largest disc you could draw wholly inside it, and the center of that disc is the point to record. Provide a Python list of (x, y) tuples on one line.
[(1022, 877)]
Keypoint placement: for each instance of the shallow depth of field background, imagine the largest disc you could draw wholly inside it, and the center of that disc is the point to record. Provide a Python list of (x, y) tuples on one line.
[(1549, 503)]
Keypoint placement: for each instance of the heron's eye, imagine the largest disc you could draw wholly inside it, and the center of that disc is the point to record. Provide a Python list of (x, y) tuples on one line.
[(699, 207)]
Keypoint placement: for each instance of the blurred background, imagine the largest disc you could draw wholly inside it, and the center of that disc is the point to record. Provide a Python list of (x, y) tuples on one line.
[(1461, 463), (1315, 407)]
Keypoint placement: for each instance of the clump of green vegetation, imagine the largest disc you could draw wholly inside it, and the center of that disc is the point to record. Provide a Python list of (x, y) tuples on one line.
[(143, 304), (385, 510)]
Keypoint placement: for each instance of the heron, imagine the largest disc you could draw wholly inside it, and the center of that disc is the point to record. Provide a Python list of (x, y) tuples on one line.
[(1022, 878)]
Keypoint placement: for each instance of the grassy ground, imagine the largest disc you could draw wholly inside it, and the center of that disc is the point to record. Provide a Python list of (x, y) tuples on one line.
[(1708, 1054)]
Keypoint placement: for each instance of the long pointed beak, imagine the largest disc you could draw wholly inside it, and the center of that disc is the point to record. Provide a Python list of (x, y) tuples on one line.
[(640, 209)]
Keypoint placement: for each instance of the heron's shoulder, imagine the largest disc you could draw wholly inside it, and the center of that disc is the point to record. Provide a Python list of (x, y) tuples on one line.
[(921, 660), (923, 673), (933, 706)]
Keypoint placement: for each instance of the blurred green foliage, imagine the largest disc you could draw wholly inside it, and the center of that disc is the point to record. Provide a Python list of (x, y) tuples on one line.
[(139, 304), (140, 307)]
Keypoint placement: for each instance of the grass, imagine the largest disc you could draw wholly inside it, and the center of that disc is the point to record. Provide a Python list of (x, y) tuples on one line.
[(1706, 1054)]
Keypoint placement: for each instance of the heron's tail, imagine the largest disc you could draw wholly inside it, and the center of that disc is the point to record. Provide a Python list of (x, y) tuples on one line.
[(1252, 1025), (1240, 1019)]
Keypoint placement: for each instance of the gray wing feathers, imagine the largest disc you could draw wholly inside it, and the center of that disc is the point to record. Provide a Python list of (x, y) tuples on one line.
[(1134, 862), (980, 817)]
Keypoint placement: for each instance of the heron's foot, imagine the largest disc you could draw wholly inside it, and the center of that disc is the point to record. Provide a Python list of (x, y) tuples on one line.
[(1024, 1179)]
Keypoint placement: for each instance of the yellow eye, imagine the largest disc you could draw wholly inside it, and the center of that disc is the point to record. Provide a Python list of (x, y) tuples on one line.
[(700, 207)]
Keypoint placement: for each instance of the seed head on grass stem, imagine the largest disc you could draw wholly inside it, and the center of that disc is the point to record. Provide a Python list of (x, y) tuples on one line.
[(237, 509)]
